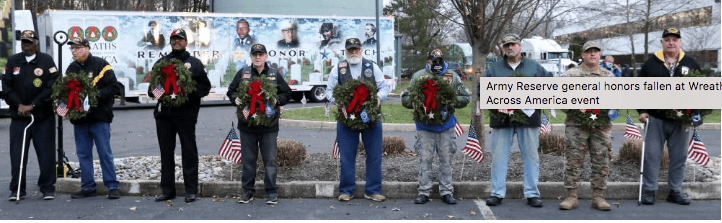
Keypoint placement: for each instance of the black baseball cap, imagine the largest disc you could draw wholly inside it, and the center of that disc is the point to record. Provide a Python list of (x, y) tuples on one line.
[(256, 48), (28, 35), (178, 32), (353, 43), (671, 31), (79, 41)]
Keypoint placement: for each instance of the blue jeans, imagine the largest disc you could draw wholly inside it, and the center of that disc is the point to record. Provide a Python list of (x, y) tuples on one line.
[(348, 147), (501, 141), (85, 135)]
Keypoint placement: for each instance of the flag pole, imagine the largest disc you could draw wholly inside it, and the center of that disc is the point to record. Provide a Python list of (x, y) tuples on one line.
[(641, 166)]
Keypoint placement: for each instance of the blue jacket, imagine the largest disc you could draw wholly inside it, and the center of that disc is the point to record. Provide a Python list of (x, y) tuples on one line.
[(527, 67)]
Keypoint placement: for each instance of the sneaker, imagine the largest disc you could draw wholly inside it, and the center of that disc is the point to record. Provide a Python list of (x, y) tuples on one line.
[(114, 194), (678, 197), (344, 197), (375, 197), (247, 197), (85, 193), (14, 197), (272, 199), (48, 196)]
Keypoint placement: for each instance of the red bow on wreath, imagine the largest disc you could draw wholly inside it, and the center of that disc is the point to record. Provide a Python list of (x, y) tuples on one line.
[(170, 79), (74, 88), (256, 94), (595, 111), (688, 111), (359, 97), (430, 90)]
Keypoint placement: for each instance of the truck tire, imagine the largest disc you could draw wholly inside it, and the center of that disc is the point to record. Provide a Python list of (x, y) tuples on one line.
[(317, 94)]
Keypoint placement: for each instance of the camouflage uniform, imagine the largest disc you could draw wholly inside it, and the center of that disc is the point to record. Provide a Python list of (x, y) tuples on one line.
[(579, 141), (429, 143)]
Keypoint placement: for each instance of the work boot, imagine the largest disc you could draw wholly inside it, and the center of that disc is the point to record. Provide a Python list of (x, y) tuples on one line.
[(598, 201), (571, 202)]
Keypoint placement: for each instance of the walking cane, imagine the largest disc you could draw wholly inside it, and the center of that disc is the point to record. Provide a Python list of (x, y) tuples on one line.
[(641, 168), (22, 157)]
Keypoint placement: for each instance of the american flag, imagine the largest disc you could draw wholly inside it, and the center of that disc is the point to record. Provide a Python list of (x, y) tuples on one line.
[(335, 151), (231, 147), (473, 148), (631, 132), (696, 150), (458, 130), (62, 109), (246, 112), (545, 125), (158, 91)]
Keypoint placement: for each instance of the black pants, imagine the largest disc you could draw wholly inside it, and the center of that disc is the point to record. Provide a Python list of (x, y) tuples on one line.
[(250, 143), (167, 128), (42, 133)]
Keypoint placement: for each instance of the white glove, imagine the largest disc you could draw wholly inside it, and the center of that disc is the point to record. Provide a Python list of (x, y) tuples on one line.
[(238, 101)]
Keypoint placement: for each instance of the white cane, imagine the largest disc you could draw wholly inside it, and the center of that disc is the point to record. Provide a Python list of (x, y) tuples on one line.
[(641, 168), (22, 157)]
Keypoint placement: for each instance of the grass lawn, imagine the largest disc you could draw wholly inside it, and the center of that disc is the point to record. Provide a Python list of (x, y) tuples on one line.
[(395, 113)]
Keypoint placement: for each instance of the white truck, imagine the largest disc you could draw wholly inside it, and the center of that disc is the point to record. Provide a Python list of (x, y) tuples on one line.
[(133, 41), (548, 53)]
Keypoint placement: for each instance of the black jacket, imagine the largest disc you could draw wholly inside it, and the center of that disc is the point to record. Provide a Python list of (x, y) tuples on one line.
[(190, 109), (19, 84), (108, 87), (283, 95), (655, 67)]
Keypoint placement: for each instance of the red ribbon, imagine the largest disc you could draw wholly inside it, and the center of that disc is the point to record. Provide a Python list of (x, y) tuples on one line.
[(359, 97), (595, 111), (74, 87), (170, 79), (108, 30), (688, 111), (256, 96), (430, 90)]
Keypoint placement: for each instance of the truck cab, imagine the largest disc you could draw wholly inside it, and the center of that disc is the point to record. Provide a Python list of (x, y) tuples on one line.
[(549, 54)]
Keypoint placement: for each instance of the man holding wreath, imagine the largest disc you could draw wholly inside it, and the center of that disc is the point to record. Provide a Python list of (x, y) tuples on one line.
[(360, 116), (181, 83), (435, 134), (258, 123)]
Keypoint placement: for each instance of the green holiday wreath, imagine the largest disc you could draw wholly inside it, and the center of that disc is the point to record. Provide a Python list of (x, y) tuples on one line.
[(591, 118), (81, 86), (257, 111), (176, 80), (515, 116), (685, 115), (359, 104), (430, 96)]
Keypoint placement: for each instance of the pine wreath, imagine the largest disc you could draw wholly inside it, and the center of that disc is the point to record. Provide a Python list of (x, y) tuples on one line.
[(78, 81), (685, 115), (600, 121), (431, 110), (173, 68), (262, 113), (353, 116), (515, 116)]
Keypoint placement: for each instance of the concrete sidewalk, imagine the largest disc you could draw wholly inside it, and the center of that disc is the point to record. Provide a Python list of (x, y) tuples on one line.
[(398, 190)]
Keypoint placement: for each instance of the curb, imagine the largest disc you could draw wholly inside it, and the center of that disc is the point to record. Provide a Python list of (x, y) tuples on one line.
[(397, 127), (397, 190)]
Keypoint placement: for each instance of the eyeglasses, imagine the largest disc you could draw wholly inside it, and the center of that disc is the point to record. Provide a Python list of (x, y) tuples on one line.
[(72, 48)]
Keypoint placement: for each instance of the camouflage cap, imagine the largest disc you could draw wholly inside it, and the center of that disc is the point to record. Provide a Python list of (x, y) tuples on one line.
[(178, 32), (589, 45), (671, 31), (510, 38), (435, 54), (79, 41), (28, 35)]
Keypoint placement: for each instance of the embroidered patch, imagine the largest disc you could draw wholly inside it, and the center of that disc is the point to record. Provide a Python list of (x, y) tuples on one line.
[(368, 72), (37, 82), (38, 72), (53, 70), (343, 64), (188, 65), (343, 70), (16, 70), (246, 76)]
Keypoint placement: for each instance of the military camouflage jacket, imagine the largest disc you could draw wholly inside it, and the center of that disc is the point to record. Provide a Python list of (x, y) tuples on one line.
[(580, 72)]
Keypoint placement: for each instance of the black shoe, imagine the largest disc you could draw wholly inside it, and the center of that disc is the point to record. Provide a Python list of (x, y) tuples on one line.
[(48, 196), (493, 201), (534, 202), (247, 197), (190, 198), (678, 197), (85, 193), (113, 194), (164, 197), (449, 199), (272, 199), (421, 199), (648, 197)]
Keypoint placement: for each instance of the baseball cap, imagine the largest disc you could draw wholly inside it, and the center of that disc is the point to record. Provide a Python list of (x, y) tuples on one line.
[(510, 38), (591, 44), (79, 41), (671, 31), (178, 32), (353, 43), (435, 54), (28, 35), (258, 48)]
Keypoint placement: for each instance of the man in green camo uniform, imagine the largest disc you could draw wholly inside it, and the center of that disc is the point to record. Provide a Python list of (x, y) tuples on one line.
[(579, 140)]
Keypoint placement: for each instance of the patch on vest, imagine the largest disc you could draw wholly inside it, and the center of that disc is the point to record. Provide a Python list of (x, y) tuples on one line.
[(342, 64), (38, 72), (368, 72), (343, 70), (188, 65), (37, 82)]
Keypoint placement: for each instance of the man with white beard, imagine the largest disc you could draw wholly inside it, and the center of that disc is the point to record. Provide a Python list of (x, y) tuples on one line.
[(356, 67)]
